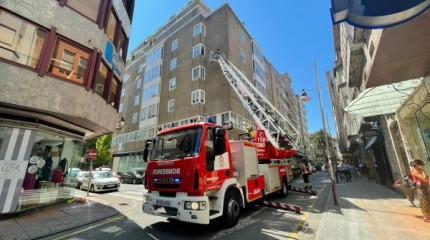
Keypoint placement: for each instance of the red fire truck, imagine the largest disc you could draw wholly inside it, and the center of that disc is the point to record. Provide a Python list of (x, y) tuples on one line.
[(196, 173)]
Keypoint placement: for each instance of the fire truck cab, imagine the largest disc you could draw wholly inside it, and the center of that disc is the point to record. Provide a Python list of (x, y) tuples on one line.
[(196, 174)]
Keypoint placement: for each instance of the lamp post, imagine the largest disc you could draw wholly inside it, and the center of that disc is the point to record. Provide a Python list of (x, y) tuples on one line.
[(305, 98), (120, 123)]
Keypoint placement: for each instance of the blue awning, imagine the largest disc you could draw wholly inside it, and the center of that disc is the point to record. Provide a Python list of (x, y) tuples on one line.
[(376, 13)]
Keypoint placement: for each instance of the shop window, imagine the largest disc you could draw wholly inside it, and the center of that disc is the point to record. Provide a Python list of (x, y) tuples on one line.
[(87, 8), (113, 92), (69, 62), (111, 27), (20, 41), (102, 78)]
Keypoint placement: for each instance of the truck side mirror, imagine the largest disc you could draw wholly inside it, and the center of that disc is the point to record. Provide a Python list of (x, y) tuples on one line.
[(219, 142)]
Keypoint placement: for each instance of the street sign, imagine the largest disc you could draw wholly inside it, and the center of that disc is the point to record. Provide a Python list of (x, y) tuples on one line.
[(92, 154)]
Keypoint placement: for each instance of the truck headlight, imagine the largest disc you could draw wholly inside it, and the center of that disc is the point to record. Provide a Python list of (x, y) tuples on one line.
[(195, 205), (145, 199)]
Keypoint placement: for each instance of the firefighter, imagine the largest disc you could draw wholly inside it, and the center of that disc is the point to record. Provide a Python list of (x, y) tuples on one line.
[(305, 174)]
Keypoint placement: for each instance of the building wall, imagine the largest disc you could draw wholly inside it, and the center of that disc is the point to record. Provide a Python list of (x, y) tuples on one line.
[(223, 31)]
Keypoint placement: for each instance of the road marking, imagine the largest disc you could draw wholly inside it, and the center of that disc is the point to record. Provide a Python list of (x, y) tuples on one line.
[(304, 218)]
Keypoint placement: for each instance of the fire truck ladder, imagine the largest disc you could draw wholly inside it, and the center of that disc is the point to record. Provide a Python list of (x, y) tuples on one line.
[(264, 113)]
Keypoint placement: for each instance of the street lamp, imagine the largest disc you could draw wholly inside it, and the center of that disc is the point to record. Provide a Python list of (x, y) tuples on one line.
[(304, 97), (120, 123)]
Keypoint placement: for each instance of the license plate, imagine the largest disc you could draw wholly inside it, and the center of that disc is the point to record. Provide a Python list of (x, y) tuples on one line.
[(112, 185), (163, 203)]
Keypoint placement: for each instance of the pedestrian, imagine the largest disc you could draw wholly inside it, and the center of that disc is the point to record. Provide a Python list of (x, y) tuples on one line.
[(422, 187), (57, 176), (347, 170), (305, 174)]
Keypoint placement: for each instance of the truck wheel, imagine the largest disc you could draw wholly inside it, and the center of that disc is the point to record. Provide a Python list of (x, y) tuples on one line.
[(284, 190), (231, 211)]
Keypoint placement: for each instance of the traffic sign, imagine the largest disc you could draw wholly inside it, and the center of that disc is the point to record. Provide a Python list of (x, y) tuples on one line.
[(92, 154)]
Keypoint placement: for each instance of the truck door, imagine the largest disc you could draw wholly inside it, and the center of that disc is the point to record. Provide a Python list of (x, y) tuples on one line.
[(217, 159)]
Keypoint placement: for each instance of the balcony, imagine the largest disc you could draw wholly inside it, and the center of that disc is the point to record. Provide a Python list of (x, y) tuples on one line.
[(403, 53), (357, 61)]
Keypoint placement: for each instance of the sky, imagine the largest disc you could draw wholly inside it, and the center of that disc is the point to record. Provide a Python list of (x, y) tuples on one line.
[(293, 34)]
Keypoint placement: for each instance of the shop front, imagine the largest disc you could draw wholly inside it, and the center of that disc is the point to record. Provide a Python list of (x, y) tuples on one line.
[(34, 166)]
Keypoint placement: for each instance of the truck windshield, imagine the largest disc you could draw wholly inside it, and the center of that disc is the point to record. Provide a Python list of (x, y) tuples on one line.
[(180, 144)]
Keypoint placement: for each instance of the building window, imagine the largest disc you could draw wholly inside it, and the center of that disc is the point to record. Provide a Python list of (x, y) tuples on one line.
[(242, 56), (173, 64), (174, 45), (111, 27), (20, 42), (87, 8), (172, 84), (125, 78), (197, 96), (150, 92), (122, 46), (198, 72), (138, 83), (199, 29), (69, 62), (198, 50), (140, 68), (241, 36), (171, 105), (137, 100), (113, 92), (123, 92), (121, 106), (134, 118), (225, 117), (102, 78)]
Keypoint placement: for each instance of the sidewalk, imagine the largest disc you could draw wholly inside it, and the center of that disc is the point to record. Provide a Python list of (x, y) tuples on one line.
[(366, 211), (61, 217)]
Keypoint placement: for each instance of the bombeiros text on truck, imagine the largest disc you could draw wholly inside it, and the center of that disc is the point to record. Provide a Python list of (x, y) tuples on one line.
[(196, 173)]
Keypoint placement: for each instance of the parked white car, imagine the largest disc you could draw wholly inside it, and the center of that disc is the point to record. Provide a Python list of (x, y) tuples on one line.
[(100, 181)]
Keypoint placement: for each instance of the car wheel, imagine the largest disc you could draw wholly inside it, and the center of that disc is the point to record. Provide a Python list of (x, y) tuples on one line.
[(81, 187), (92, 188), (78, 186), (134, 181), (231, 211)]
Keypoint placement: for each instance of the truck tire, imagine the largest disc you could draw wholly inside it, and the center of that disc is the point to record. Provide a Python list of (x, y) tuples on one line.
[(232, 207), (284, 190)]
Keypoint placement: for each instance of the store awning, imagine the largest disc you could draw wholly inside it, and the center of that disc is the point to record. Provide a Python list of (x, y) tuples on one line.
[(382, 100), (370, 141)]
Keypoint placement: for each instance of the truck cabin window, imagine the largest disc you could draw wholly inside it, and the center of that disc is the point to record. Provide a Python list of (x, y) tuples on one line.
[(178, 144)]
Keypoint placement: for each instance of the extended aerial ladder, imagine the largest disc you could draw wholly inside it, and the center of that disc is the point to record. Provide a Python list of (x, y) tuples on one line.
[(279, 131)]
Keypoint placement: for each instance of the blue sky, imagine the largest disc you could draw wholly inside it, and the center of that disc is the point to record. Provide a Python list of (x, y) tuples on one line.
[(292, 33)]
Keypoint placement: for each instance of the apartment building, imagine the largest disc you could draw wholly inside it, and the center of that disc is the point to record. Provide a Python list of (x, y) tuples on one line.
[(62, 64), (379, 89), (169, 80)]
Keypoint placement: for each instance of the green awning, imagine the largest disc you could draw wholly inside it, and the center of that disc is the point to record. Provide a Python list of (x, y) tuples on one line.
[(383, 99)]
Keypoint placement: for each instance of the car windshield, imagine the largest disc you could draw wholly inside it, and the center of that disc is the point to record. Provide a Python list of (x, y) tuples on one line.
[(179, 144), (102, 175)]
